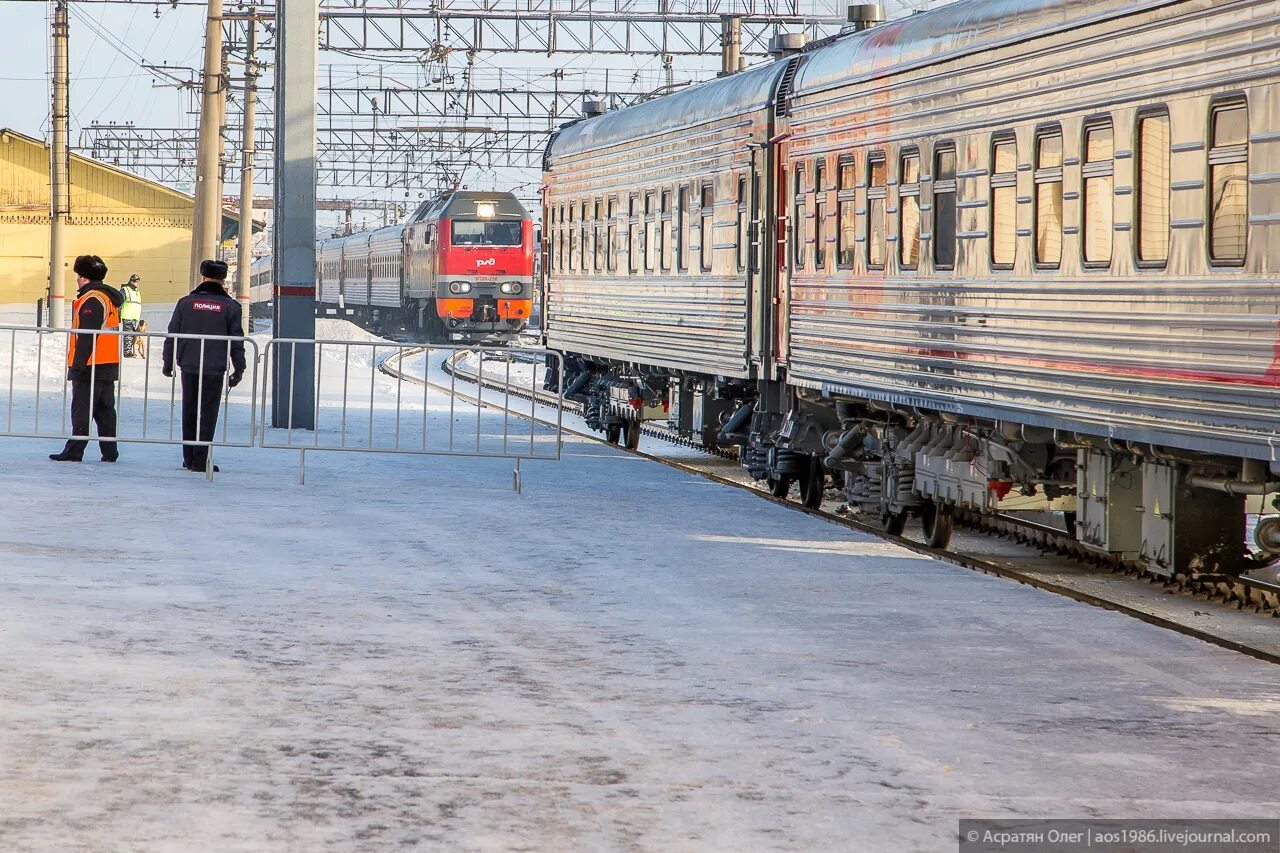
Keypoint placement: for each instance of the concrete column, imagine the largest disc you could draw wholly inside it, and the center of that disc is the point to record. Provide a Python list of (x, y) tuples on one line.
[(730, 44), (59, 172), (207, 217), (293, 396)]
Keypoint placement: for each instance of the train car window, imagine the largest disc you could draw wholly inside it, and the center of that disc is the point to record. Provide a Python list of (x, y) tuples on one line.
[(633, 235), (1048, 198), (600, 238), (1154, 189), (799, 233), (650, 232), (819, 216), (1004, 202), (1099, 194), (877, 173), (682, 238), (585, 229), (611, 234), (707, 235), (664, 232), (1229, 183), (573, 240), (944, 207), (847, 229), (909, 210), (744, 222), (561, 254)]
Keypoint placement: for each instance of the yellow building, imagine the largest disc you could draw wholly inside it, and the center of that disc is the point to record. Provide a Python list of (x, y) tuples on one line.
[(135, 225)]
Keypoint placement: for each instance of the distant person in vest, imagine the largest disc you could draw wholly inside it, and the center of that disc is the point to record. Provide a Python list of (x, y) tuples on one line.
[(93, 361), (207, 310), (131, 312)]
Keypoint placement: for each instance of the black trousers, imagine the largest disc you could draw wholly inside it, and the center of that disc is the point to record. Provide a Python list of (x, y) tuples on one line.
[(96, 399), (201, 398)]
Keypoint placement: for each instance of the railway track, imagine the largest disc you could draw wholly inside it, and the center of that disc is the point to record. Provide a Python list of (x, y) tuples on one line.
[(1035, 554)]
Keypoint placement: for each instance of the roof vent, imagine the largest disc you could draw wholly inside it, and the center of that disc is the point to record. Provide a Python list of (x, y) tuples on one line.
[(785, 44), (592, 107), (864, 16)]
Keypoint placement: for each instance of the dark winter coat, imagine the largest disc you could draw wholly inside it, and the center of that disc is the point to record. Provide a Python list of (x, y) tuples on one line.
[(207, 310), (92, 316)]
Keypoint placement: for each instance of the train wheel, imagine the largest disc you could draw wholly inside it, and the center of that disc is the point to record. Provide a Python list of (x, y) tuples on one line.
[(893, 522), (938, 521), (779, 487), (813, 484), (632, 435), (612, 433)]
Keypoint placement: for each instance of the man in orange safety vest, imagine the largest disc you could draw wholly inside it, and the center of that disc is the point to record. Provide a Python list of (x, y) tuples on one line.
[(93, 361)]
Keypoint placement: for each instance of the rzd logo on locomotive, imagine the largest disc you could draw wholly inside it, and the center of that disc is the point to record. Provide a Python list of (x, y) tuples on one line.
[(486, 262)]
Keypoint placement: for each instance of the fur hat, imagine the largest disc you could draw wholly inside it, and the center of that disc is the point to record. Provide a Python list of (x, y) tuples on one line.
[(216, 270), (90, 267)]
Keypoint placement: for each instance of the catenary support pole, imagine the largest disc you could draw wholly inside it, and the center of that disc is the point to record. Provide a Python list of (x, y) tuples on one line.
[(294, 258), (206, 223), (244, 249), (59, 172), (730, 44)]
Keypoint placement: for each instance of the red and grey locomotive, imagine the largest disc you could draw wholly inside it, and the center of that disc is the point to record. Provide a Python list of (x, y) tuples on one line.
[(460, 270)]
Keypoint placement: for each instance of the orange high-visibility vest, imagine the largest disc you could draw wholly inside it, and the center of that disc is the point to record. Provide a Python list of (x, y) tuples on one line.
[(106, 348)]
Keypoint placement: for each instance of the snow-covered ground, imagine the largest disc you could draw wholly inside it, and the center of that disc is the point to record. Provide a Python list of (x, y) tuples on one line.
[(404, 654)]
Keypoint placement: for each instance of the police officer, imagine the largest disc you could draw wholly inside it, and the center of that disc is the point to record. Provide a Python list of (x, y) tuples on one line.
[(93, 361), (130, 312), (207, 310)]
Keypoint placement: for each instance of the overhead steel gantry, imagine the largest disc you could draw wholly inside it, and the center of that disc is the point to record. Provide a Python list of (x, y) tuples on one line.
[(384, 127), (436, 28), (420, 118), (398, 157)]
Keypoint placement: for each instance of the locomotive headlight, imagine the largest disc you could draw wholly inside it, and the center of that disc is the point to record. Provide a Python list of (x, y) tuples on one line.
[(511, 287), (460, 287), (485, 210)]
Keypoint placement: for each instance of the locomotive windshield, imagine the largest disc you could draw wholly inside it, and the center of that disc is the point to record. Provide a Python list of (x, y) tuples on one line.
[(474, 232)]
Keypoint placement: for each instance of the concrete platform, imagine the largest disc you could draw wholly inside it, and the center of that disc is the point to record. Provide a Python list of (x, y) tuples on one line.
[(404, 654)]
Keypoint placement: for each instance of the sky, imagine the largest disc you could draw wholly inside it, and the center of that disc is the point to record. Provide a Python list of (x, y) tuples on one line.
[(110, 42)]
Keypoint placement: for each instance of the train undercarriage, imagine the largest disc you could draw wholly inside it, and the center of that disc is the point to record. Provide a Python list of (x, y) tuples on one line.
[(1170, 512)]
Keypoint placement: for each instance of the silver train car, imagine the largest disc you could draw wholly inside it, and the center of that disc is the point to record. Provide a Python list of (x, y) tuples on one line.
[(1007, 254)]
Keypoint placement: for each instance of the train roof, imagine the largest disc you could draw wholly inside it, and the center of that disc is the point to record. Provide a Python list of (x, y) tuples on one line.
[(463, 203), (949, 32), (722, 97)]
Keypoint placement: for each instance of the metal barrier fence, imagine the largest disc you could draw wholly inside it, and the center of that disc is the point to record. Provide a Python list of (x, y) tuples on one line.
[(37, 393), (371, 396), (369, 399)]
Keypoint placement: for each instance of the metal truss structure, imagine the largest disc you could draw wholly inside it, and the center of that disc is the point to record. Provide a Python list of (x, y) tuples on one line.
[(421, 112), (436, 28), (419, 157), (539, 97)]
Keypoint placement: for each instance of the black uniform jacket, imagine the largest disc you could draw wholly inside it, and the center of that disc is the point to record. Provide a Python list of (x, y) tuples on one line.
[(207, 310), (92, 316)]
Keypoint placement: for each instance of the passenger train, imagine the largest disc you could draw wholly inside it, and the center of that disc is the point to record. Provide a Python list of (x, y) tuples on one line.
[(1006, 253), (460, 270)]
